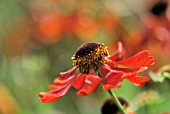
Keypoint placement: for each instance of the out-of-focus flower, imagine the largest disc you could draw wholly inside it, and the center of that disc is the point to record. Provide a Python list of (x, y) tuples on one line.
[(157, 15), (107, 21), (146, 98), (162, 74), (159, 8), (157, 26), (92, 57), (8, 104), (53, 25), (109, 107), (16, 38), (155, 36), (54, 20), (84, 26), (165, 113), (49, 27)]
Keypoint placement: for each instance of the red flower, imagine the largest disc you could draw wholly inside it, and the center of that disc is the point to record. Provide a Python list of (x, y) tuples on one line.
[(92, 56)]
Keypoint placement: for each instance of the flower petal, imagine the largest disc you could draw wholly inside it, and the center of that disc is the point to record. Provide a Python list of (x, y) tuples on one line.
[(79, 83), (61, 81), (53, 87), (138, 80), (142, 58), (91, 82), (47, 97), (59, 89), (67, 73), (113, 80), (104, 70), (130, 71), (118, 55)]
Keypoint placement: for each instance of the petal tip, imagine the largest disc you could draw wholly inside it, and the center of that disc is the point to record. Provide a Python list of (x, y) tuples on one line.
[(82, 93), (47, 97)]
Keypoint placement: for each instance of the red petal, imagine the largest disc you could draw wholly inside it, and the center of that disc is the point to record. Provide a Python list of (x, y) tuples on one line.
[(91, 82), (47, 97), (67, 73), (79, 83), (142, 58), (62, 81), (118, 55), (110, 62), (130, 71), (104, 70), (92, 71), (138, 80), (113, 80), (59, 89), (52, 87), (111, 86)]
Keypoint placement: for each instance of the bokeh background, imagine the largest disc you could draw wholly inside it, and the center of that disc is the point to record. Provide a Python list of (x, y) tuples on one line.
[(38, 38)]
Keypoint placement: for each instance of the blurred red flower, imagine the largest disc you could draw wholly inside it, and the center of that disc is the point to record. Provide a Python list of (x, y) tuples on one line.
[(107, 21), (83, 25), (49, 27), (90, 56)]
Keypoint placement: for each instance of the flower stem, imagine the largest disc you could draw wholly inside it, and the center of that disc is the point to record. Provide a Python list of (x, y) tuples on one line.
[(115, 99)]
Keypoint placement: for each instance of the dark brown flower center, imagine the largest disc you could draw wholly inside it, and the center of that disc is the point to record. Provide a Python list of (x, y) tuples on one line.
[(109, 107), (159, 8), (88, 55), (86, 49)]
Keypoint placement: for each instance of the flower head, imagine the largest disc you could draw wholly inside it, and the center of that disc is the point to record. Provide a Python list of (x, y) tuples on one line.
[(159, 8), (88, 55), (92, 57)]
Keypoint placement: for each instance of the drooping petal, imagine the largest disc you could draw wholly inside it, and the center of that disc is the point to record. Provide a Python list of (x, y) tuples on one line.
[(79, 83), (91, 82), (138, 80), (110, 63), (53, 87), (130, 71), (67, 73), (113, 79), (60, 81), (104, 70), (92, 71), (59, 89), (47, 97), (118, 55), (142, 58)]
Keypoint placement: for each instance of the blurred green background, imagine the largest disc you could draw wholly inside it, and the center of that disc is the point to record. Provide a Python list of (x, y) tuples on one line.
[(38, 38)]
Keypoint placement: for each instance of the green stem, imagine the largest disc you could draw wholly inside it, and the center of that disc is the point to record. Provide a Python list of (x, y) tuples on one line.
[(115, 99)]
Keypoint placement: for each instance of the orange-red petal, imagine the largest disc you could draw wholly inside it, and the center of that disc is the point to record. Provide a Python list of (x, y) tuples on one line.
[(138, 80), (60, 81), (47, 97), (79, 83), (118, 55), (113, 79), (67, 73), (104, 70), (59, 89), (130, 71), (52, 87), (142, 58), (91, 82)]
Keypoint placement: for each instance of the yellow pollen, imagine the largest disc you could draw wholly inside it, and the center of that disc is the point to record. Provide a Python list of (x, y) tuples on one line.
[(88, 60)]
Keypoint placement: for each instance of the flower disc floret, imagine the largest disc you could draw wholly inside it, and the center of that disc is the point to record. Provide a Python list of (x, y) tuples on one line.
[(88, 55)]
